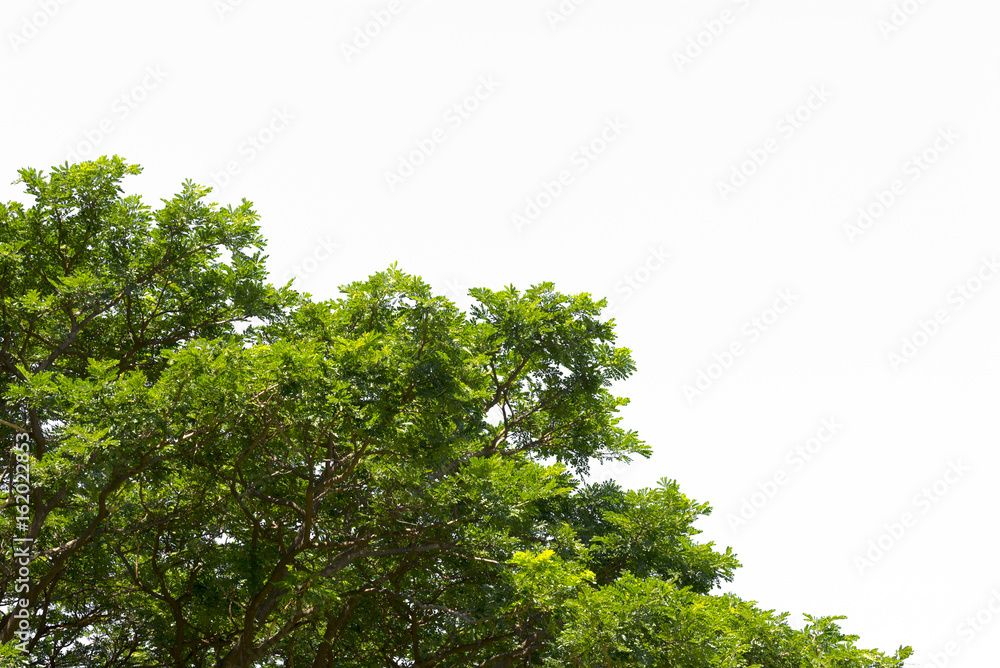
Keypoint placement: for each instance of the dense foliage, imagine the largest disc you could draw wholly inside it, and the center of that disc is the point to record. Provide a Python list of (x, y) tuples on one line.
[(226, 473)]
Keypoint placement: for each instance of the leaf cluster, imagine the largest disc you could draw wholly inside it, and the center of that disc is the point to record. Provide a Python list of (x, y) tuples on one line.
[(226, 473)]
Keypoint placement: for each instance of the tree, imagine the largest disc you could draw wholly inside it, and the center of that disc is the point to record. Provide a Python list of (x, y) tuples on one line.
[(227, 473)]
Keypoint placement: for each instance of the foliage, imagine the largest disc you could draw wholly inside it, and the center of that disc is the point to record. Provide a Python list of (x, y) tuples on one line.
[(226, 473)]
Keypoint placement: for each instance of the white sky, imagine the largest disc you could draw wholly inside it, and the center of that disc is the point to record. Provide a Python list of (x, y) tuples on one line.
[(332, 122)]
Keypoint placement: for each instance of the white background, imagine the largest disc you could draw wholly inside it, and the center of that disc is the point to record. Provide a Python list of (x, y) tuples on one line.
[(223, 70)]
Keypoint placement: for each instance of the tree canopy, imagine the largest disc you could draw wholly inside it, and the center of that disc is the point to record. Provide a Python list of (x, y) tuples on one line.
[(228, 473)]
